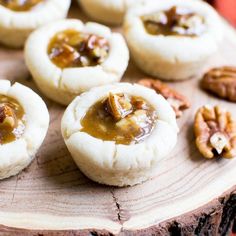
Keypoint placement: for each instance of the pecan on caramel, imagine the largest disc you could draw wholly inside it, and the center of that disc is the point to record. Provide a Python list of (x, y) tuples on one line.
[(71, 48), (177, 21)]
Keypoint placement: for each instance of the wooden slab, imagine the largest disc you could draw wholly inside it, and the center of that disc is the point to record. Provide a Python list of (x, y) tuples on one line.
[(189, 195)]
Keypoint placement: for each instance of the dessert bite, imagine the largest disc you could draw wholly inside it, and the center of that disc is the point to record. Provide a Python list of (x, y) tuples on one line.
[(24, 121), (68, 57), (173, 39), (19, 18), (117, 134)]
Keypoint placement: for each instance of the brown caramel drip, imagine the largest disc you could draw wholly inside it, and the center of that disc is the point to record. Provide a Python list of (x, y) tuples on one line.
[(71, 48), (173, 22), (20, 5), (120, 118), (11, 120)]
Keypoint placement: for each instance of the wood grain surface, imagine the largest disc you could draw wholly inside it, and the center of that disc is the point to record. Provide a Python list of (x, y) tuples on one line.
[(52, 197)]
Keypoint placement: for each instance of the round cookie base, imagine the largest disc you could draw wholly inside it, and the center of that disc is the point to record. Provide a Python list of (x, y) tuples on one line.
[(103, 13), (172, 57), (107, 162), (15, 168), (18, 153), (123, 180), (176, 71), (60, 96), (14, 38)]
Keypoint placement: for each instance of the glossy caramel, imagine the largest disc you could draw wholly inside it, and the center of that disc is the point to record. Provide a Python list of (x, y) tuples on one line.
[(174, 22), (13, 129), (99, 123), (20, 5), (71, 48)]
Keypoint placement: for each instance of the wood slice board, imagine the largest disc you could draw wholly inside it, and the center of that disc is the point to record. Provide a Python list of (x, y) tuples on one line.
[(188, 195)]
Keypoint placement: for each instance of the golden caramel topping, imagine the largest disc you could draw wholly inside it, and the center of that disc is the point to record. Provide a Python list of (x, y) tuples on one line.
[(175, 21), (20, 5), (11, 120), (120, 118), (71, 48)]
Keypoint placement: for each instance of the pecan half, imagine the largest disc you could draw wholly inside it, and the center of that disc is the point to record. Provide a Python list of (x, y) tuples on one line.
[(119, 106), (215, 132), (221, 81), (178, 102)]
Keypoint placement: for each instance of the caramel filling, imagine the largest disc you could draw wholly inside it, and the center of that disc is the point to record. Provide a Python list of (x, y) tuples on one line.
[(20, 5), (121, 118), (11, 120), (71, 48), (175, 21)]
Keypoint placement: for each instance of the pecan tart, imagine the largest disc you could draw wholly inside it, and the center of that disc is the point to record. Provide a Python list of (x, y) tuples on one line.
[(24, 121), (68, 57), (19, 18), (172, 39), (117, 134)]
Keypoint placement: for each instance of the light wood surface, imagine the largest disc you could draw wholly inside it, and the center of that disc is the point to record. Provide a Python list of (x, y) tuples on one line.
[(52, 194)]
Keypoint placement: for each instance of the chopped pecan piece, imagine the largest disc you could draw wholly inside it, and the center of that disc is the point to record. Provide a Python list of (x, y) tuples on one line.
[(70, 48), (119, 106), (178, 102), (221, 81), (65, 54), (215, 132), (175, 21), (7, 117)]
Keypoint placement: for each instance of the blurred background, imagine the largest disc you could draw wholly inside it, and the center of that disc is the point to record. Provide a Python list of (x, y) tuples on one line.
[(226, 8)]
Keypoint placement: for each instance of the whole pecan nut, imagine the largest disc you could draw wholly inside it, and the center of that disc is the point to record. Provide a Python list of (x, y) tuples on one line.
[(221, 81), (178, 102), (215, 132)]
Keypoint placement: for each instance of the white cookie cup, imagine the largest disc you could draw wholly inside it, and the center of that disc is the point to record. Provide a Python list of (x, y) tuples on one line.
[(172, 57), (63, 85), (105, 11), (109, 12), (16, 155), (15, 27), (119, 165)]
